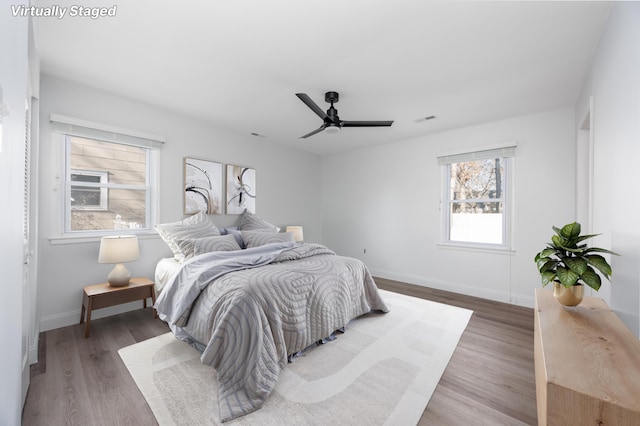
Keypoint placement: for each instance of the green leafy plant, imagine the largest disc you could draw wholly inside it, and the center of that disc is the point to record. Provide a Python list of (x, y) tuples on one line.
[(567, 261)]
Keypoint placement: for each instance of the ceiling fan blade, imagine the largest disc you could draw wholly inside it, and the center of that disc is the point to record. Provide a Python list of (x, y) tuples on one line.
[(314, 107), (367, 123), (318, 130)]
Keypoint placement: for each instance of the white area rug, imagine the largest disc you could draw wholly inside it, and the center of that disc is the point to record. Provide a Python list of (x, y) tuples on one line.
[(383, 370)]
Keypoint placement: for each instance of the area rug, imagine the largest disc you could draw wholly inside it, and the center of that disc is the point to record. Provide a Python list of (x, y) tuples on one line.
[(382, 370)]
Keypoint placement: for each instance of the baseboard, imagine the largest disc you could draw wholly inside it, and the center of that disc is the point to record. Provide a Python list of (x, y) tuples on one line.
[(454, 287), (33, 351), (66, 319)]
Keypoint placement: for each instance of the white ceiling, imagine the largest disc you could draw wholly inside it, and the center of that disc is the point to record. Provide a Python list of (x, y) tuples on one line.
[(238, 64)]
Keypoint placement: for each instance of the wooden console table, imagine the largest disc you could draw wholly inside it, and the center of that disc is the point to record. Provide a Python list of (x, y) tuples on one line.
[(587, 364)]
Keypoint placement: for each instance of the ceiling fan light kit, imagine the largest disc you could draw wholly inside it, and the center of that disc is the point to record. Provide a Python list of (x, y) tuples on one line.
[(332, 128), (331, 121)]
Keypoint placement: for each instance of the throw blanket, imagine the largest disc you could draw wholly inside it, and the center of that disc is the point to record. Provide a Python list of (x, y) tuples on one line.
[(248, 320)]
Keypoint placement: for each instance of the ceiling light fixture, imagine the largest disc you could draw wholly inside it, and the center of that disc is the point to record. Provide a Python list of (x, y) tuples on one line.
[(332, 128)]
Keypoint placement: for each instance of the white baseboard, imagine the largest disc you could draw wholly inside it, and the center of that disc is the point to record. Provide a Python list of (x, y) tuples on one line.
[(521, 300), (33, 351), (66, 319)]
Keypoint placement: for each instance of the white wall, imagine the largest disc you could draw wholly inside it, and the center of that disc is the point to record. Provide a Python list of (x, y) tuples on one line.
[(614, 84), (288, 186), (14, 75), (386, 199)]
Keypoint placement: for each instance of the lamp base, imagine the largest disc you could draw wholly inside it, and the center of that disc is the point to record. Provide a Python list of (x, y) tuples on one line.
[(119, 276)]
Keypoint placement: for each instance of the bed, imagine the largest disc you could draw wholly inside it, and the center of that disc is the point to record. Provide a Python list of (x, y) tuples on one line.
[(249, 309)]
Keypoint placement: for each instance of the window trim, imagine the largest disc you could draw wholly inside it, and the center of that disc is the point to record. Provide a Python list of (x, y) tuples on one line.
[(63, 126), (507, 153)]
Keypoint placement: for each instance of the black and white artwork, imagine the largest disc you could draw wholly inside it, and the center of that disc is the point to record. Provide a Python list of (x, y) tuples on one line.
[(202, 186), (241, 189)]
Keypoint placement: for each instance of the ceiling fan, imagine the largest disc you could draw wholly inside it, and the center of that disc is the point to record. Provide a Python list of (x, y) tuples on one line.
[(333, 123)]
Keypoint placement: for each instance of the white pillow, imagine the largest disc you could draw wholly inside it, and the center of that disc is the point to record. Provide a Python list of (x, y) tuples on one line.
[(197, 226), (260, 238)]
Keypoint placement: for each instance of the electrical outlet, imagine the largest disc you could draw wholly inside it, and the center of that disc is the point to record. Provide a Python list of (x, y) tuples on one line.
[(365, 251)]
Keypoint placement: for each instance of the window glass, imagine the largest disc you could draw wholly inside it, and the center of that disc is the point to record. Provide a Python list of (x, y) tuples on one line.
[(108, 185), (476, 201), (88, 197)]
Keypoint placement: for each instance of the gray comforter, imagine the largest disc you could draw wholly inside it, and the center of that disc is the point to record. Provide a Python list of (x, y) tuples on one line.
[(250, 317)]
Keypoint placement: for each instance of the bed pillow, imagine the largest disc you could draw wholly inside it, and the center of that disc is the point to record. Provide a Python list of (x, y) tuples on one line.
[(196, 246), (233, 230), (251, 222), (218, 243), (260, 238), (197, 226)]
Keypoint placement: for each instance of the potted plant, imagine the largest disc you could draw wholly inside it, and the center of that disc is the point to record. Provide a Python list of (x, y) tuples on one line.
[(568, 264)]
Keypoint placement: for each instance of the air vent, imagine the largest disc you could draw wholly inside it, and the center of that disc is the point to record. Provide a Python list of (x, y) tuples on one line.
[(427, 118)]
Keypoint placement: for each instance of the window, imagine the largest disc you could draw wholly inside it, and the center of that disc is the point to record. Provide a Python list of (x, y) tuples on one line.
[(476, 207), (89, 197), (110, 178)]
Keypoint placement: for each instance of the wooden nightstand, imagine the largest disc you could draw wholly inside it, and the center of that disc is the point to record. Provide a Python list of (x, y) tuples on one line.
[(103, 295)]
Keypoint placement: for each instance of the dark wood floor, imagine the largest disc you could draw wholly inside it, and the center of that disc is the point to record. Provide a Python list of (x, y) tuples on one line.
[(489, 381)]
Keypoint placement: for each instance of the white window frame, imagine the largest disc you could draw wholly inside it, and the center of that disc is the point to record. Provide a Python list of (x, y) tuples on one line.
[(506, 153), (104, 192), (64, 126)]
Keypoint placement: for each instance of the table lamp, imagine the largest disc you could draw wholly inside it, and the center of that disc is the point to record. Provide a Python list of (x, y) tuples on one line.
[(118, 249), (298, 235)]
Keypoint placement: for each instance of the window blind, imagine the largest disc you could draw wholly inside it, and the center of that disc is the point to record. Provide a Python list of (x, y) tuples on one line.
[(88, 129), (481, 154)]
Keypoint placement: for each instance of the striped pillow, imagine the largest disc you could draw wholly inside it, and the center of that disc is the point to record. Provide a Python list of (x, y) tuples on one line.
[(258, 238), (220, 243), (251, 222), (196, 226)]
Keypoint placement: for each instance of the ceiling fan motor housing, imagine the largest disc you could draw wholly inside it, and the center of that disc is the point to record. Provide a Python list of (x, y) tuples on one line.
[(331, 97), (332, 117)]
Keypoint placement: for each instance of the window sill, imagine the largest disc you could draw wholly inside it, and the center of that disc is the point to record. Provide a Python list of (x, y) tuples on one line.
[(477, 248), (81, 239)]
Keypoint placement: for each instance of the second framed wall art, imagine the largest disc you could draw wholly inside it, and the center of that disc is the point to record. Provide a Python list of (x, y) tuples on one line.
[(241, 189)]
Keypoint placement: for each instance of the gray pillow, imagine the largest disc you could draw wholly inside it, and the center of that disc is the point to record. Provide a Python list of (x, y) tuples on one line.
[(233, 230), (220, 243), (258, 238), (251, 222), (197, 226)]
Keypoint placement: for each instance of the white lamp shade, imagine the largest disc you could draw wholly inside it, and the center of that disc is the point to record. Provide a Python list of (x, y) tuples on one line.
[(118, 249), (297, 232)]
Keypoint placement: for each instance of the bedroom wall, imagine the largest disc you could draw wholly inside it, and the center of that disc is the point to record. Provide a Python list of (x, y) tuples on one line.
[(614, 84), (65, 268), (386, 199)]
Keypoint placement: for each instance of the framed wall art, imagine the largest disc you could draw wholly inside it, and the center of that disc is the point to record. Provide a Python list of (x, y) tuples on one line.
[(241, 189), (202, 186)]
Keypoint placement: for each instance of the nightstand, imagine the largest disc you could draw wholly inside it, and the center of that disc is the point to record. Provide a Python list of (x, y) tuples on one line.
[(103, 295)]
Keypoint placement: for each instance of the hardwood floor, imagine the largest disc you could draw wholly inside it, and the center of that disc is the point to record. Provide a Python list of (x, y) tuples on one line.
[(489, 380)]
